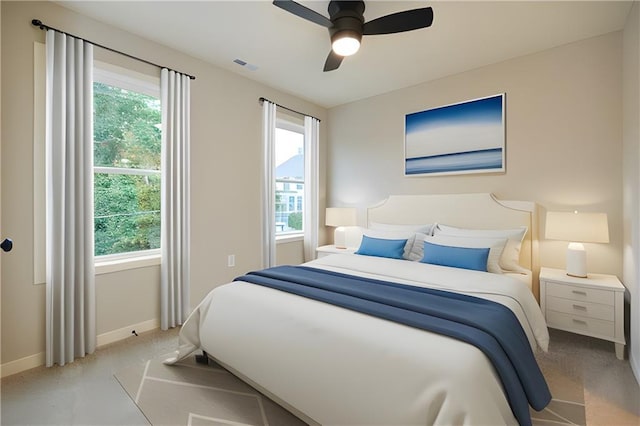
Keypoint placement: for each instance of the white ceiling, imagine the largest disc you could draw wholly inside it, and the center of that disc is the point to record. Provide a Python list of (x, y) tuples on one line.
[(290, 52)]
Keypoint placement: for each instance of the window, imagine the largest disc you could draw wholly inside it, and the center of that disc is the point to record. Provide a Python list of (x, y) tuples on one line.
[(289, 174), (127, 153), (290, 144), (120, 80)]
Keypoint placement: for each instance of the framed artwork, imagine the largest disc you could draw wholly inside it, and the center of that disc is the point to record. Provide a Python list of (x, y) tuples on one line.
[(462, 138)]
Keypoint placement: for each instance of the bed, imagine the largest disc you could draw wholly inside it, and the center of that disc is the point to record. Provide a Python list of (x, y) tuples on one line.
[(335, 366)]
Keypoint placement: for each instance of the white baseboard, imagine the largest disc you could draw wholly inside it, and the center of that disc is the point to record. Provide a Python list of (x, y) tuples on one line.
[(36, 360), (124, 332), (22, 364)]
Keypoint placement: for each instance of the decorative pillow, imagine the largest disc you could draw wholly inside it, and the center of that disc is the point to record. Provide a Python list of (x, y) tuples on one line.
[(495, 246), (510, 259), (408, 236), (381, 247), (456, 257)]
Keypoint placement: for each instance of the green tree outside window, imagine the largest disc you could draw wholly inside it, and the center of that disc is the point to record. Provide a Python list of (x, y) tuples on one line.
[(127, 137)]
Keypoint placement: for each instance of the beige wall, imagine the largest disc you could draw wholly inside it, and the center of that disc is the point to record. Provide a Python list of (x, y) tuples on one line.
[(631, 176), (564, 141), (226, 132), (290, 253)]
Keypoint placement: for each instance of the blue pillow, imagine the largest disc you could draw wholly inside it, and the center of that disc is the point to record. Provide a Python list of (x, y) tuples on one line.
[(381, 247), (456, 257)]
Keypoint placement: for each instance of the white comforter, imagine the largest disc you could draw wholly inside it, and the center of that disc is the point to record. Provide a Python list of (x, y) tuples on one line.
[(339, 367)]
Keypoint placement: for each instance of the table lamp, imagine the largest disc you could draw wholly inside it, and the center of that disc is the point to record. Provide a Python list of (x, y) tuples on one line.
[(577, 228), (340, 217)]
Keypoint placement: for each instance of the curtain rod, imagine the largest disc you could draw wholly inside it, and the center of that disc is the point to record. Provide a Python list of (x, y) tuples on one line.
[(38, 23), (261, 99)]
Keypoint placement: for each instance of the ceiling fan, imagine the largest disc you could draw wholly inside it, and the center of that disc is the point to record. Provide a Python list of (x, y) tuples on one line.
[(346, 25)]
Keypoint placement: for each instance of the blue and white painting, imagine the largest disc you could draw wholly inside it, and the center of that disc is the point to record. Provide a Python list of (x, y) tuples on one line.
[(468, 137)]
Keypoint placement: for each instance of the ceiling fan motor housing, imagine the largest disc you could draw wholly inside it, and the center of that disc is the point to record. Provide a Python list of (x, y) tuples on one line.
[(347, 18)]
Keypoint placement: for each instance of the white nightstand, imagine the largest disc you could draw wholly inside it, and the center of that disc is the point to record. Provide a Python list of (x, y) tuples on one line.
[(593, 306), (331, 249)]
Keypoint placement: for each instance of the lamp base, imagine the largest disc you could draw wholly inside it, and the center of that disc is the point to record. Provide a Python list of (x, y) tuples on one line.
[(339, 237), (576, 260)]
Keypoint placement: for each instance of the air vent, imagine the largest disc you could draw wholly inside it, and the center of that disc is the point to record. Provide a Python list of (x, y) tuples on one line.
[(248, 66)]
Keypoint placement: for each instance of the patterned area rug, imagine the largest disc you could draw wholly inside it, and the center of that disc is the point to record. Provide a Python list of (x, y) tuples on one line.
[(195, 394), (565, 382)]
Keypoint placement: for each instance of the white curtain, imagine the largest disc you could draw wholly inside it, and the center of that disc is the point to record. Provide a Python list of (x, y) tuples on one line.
[(70, 272), (311, 132), (174, 269), (268, 185)]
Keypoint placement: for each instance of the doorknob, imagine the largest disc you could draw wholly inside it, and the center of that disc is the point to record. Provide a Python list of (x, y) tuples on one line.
[(7, 244)]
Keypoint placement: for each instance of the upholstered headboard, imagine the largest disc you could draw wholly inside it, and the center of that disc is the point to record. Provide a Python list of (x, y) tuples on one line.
[(477, 211)]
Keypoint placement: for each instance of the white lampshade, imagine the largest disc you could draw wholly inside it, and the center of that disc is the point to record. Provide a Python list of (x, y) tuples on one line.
[(577, 228), (340, 217)]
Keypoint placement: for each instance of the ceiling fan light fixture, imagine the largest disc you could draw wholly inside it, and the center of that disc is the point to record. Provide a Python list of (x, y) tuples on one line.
[(346, 24), (346, 43)]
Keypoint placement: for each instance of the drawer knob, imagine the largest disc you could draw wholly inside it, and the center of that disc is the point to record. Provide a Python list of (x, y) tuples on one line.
[(577, 321), (581, 293), (580, 307)]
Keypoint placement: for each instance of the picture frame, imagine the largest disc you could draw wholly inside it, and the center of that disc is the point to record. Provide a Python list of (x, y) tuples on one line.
[(461, 138)]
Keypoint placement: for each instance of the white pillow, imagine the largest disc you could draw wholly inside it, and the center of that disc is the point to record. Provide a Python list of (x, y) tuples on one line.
[(495, 246), (510, 259), (416, 252), (425, 229)]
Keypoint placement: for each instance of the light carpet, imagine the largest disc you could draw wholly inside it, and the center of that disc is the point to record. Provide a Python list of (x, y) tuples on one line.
[(195, 394)]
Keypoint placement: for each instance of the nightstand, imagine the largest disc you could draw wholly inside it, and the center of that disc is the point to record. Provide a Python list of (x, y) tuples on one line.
[(592, 306), (331, 249)]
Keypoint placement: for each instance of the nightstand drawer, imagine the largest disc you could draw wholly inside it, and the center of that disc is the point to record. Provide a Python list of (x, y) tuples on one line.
[(582, 325), (581, 294), (584, 309)]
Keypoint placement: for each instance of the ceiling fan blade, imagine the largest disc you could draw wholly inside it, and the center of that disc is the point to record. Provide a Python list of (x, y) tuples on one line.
[(333, 61), (303, 12), (399, 22)]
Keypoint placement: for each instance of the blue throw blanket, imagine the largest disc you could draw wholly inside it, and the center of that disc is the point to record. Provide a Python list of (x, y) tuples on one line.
[(490, 326)]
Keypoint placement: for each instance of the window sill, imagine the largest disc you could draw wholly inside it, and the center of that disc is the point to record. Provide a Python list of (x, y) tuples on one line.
[(283, 239), (124, 264)]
